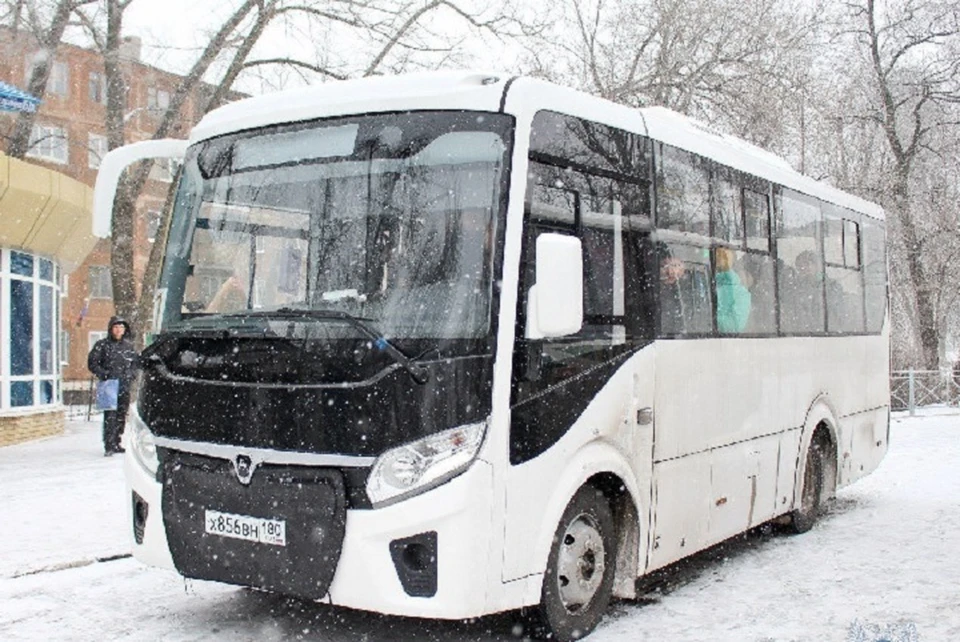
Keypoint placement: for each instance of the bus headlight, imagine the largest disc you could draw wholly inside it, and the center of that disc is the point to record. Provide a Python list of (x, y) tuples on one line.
[(423, 464), (142, 445)]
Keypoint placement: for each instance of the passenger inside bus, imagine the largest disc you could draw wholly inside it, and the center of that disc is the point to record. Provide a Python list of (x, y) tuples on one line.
[(733, 299), (684, 290), (802, 298)]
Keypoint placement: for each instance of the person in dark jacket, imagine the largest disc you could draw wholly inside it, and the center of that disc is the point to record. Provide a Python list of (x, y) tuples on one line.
[(114, 357)]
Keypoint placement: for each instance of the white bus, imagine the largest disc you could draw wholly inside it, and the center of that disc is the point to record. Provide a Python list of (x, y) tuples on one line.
[(451, 344)]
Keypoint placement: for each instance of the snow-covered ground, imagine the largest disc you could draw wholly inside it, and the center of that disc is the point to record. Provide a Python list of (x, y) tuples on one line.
[(886, 558)]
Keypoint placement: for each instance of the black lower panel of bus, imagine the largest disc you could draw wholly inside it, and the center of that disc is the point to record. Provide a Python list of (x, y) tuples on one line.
[(282, 532)]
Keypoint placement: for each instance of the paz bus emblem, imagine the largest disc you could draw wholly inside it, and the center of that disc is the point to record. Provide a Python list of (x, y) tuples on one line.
[(244, 466)]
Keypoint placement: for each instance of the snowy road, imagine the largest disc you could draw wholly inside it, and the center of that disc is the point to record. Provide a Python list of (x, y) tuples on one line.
[(886, 557)]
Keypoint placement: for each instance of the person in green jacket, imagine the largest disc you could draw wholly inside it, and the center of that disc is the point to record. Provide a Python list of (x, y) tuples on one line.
[(733, 299)]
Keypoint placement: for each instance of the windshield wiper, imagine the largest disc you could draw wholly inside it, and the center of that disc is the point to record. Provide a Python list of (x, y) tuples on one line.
[(419, 373)]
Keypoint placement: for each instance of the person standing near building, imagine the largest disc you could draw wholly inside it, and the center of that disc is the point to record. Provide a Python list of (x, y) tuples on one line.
[(115, 357)]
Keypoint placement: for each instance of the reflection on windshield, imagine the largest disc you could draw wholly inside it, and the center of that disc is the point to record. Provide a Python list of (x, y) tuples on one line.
[(396, 225)]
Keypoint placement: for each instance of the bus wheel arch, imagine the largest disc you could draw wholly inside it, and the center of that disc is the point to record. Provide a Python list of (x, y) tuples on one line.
[(816, 475)]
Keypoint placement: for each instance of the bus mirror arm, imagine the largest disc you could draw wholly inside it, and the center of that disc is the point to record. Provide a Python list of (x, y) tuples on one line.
[(111, 169)]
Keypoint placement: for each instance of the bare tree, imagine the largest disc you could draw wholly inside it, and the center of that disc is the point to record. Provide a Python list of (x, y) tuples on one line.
[(911, 46), (356, 39), (713, 59), (48, 29)]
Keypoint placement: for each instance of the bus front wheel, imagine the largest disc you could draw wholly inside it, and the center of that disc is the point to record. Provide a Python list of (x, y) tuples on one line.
[(811, 496), (578, 582)]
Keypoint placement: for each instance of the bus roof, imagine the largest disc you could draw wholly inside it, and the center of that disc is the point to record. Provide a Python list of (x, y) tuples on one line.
[(692, 135), (482, 90), (469, 90)]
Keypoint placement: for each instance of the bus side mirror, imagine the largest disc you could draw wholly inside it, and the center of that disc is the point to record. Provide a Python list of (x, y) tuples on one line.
[(111, 168), (555, 302)]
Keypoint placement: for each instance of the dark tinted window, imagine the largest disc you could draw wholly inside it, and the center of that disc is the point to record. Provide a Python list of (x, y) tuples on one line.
[(756, 274), (756, 209), (844, 299), (832, 234), (851, 242), (800, 272), (874, 274), (843, 282), (728, 210), (568, 141), (21, 327), (683, 191), (686, 290)]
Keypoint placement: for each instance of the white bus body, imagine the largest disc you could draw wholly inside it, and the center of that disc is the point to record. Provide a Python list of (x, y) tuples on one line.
[(693, 437)]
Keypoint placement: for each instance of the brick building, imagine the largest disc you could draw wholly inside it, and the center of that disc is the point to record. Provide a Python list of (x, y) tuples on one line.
[(69, 137)]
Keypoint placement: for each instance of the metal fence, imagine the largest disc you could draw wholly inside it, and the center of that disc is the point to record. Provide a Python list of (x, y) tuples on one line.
[(910, 389), (78, 400)]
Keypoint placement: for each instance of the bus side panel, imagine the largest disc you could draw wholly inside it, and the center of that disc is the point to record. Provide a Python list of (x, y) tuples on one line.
[(866, 436), (870, 431), (682, 508), (606, 437), (763, 465), (715, 392), (787, 470), (708, 497)]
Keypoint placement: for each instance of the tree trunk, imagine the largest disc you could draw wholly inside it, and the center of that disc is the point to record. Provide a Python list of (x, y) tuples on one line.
[(926, 313), (151, 274)]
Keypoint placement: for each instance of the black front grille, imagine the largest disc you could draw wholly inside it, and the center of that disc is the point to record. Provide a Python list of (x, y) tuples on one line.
[(310, 501)]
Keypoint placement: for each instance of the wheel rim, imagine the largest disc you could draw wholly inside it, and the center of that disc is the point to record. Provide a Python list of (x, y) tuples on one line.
[(581, 563)]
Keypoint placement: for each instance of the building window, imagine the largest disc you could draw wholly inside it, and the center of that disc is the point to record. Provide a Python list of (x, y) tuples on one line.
[(97, 88), (164, 170), (29, 317), (101, 286), (49, 143), (64, 348), (93, 337), (158, 99), (96, 150), (59, 81)]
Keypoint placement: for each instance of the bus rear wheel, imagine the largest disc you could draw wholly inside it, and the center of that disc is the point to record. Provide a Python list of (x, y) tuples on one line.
[(803, 517), (578, 583)]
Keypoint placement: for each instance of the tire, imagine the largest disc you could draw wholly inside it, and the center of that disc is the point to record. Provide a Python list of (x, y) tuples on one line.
[(578, 582), (805, 516)]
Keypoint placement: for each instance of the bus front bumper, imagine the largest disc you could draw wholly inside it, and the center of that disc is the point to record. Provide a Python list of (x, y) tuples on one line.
[(427, 556)]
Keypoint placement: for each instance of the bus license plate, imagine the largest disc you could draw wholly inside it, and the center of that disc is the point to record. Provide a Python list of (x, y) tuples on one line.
[(253, 529)]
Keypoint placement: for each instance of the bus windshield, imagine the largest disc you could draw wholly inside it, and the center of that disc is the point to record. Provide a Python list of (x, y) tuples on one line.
[(389, 218)]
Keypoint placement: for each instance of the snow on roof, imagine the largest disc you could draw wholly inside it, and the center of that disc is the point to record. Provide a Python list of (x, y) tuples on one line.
[(476, 90)]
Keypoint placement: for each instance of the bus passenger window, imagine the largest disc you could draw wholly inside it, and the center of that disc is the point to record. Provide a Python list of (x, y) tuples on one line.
[(728, 220), (756, 210), (733, 299), (756, 274), (800, 267), (683, 192), (685, 292), (874, 274)]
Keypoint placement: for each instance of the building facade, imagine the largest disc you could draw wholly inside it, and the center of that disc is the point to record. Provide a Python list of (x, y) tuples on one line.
[(69, 137), (45, 233)]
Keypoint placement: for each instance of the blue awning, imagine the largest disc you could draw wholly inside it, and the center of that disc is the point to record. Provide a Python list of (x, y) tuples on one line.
[(13, 99)]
